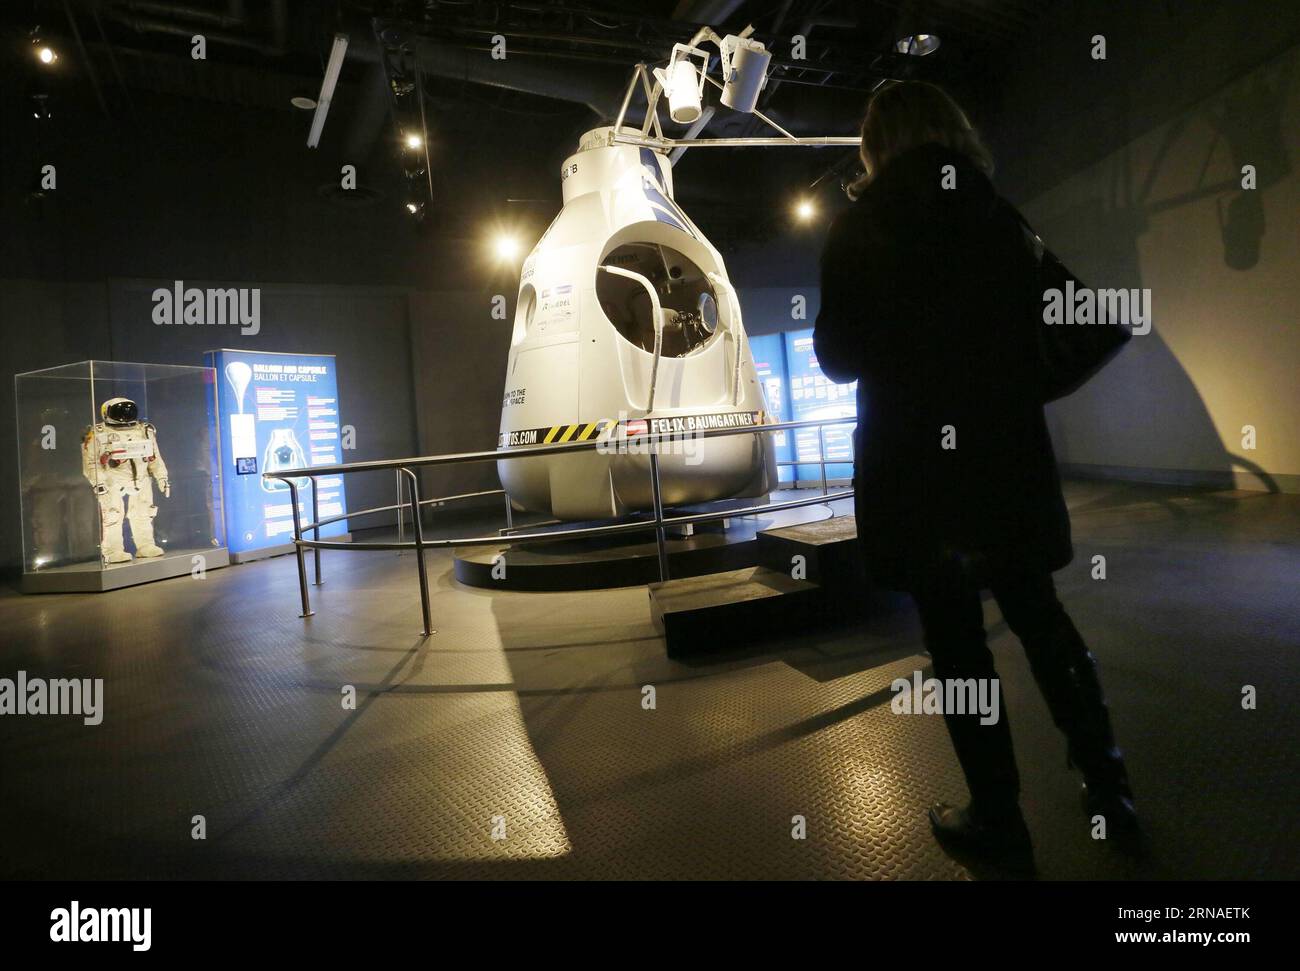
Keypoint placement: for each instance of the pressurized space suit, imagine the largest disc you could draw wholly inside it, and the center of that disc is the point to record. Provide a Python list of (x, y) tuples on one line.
[(120, 457)]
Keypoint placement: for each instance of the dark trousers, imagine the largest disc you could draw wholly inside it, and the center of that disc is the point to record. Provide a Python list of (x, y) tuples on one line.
[(953, 621)]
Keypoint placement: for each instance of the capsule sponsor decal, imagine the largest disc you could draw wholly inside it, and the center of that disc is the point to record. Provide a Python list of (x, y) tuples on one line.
[(555, 434), (685, 424), (627, 428)]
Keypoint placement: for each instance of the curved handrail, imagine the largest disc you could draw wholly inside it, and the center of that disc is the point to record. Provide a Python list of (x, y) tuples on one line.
[(626, 527), (657, 311), (528, 451), (659, 522), (438, 501)]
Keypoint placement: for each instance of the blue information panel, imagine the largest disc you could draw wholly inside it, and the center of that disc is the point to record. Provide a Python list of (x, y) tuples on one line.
[(769, 361), (278, 411), (813, 395)]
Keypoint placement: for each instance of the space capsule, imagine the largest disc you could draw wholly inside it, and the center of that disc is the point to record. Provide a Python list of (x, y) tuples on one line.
[(627, 325)]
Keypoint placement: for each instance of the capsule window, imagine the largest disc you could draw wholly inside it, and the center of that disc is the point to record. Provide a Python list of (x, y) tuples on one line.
[(687, 301)]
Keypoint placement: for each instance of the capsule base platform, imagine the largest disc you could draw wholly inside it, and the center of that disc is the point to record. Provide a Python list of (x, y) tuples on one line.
[(590, 563)]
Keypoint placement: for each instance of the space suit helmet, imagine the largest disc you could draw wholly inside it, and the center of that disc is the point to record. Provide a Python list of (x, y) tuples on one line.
[(119, 411)]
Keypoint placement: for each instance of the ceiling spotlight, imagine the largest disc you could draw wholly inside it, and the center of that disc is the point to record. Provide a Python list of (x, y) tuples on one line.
[(303, 102), (43, 51), (506, 247), (412, 207), (744, 66), (918, 45), (805, 210), (684, 83), (413, 141)]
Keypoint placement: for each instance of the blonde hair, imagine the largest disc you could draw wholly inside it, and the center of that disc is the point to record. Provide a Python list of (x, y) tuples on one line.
[(904, 114)]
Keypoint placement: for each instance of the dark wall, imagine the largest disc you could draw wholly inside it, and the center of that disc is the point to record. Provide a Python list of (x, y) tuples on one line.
[(1131, 169), (459, 361)]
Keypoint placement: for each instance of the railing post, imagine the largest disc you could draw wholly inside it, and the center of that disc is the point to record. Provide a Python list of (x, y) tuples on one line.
[(821, 454), (315, 533), (297, 546), (413, 490), (401, 516), (658, 498), (510, 516)]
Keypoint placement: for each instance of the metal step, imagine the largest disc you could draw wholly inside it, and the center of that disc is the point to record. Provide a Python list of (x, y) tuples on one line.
[(730, 610), (829, 547)]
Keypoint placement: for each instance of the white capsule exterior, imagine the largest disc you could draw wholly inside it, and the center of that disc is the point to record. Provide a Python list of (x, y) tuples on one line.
[(582, 364)]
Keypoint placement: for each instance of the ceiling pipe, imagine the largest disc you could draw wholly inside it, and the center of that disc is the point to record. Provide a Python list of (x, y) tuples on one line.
[(599, 90), (234, 17)]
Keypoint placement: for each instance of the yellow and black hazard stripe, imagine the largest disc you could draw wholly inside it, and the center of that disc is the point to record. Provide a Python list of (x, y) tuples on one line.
[(557, 434), (675, 425)]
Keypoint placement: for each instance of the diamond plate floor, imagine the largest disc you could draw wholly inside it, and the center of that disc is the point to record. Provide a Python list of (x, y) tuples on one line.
[(523, 717)]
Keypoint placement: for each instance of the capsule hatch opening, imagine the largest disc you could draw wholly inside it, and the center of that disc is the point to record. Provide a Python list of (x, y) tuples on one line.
[(688, 301)]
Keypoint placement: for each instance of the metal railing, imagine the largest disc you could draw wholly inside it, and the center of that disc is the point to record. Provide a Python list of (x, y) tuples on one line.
[(404, 469)]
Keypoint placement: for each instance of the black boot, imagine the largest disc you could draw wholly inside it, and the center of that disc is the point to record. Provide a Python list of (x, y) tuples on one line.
[(1066, 673), (1000, 840), (1115, 807), (991, 830)]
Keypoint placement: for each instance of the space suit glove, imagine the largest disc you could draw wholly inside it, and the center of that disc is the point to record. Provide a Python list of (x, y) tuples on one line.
[(166, 486)]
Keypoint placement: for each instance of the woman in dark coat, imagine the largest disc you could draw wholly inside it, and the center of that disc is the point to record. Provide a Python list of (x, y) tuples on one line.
[(927, 301)]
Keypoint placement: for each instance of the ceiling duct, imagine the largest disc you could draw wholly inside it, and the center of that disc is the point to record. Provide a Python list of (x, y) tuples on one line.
[(600, 89), (184, 20)]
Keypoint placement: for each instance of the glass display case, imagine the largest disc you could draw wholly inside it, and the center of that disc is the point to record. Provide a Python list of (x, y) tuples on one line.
[(119, 474)]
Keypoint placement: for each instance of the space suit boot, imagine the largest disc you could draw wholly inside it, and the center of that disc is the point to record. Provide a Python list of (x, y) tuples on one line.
[(140, 512)]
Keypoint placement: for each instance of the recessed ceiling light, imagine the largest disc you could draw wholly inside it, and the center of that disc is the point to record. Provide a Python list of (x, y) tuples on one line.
[(918, 45), (306, 104)]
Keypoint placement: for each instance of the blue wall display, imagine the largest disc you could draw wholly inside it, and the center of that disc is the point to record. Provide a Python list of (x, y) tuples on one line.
[(813, 395), (278, 411), (768, 352)]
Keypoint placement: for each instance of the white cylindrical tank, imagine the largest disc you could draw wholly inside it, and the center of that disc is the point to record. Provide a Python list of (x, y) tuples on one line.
[(626, 324)]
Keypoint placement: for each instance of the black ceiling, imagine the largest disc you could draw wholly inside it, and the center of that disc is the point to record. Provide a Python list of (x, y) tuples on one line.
[(565, 72)]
